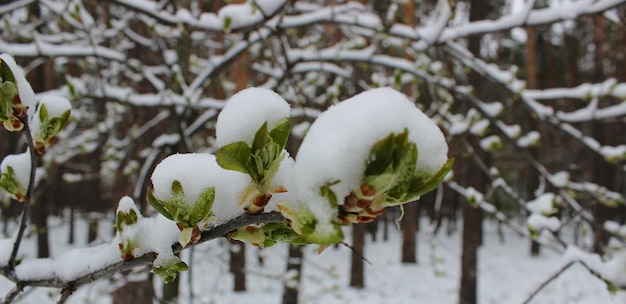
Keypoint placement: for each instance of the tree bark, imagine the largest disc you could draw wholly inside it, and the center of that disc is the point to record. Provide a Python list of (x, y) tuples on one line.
[(238, 264), (472, 216), (294, 269), (357, 272), (410, 227), (135, 293)]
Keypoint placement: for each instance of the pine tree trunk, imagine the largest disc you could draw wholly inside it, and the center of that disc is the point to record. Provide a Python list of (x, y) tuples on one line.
[(294, 270), (410, 226), (238, 264), (472, 217), (135, 293), (357, 272)]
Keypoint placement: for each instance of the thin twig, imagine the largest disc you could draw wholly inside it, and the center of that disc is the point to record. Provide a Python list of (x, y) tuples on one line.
[(356, 253), (556, 275), (29, 194), (147, 258)]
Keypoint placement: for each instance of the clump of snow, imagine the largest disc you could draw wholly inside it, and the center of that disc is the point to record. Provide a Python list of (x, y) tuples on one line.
[(246, 111), (530, 139), (612, 226), (197, 172), (559, 179), (491, 143), (239, 15), (71, 264), (56, 107), (613, 153), (21, 165), (269, 6), (614, 269), (538, 222), (479, 127), (24, 90), (6, 247), (337, 146), (544, 204)]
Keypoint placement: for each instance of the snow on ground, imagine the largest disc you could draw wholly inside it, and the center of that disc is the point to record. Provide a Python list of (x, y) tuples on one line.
[(507, 274)]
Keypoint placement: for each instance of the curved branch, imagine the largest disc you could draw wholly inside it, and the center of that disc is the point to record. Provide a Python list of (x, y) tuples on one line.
[(146, 259)]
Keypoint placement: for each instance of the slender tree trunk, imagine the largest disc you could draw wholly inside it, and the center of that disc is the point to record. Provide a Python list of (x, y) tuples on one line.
[(472, 217), (134, 293), (410, 226), (238, 264), (357, 272), (294, 269), (531, 82)]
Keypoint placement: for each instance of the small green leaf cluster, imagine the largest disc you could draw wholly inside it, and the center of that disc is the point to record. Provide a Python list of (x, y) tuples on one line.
[(260, 161), (12, 111), (268, 235), (125, 224), (10, 183), (49, 128), (168, 270), (389, 179), (189, 217)]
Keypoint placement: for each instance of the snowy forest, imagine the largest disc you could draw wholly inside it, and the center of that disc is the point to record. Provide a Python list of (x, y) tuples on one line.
[(313, 151)]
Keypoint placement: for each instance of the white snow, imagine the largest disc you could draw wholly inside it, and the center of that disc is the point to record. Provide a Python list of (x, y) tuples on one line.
[(55, 105), (246, 111), (614, 269), (544, 204), (240, 15), (529, 139), (538, 222), (21, 165), (6, 247), (197, 172), (24, 90), (338, 144)]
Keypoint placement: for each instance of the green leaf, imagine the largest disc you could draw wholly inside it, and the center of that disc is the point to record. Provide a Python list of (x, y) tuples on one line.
[(202, 208), (119, 220), (325, 191), (169, 271), (43, 113), (260, 139), (5, 73), (10, 184), (381, 155), (156, 204), (177, 188), (418, 188), (280, 133), (234, 156), (406, 170)]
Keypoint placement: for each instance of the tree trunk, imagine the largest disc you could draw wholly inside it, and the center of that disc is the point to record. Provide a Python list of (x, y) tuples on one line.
[(135, 293), (357, 272), (410, 226), (531, 82), (238, 264), (472, 217), (294, 269)]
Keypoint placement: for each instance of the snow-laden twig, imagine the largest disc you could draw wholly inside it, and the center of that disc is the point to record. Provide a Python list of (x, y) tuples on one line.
[(555, 275), (222, 230)]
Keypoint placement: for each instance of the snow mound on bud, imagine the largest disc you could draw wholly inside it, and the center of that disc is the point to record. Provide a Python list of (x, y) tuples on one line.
[(21, 165), (338, 143), (24, 90), (55, 105), (126, 204), (246, 111), (197, 172)]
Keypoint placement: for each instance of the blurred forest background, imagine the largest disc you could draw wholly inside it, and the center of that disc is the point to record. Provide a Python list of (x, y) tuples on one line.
[(530, 95)]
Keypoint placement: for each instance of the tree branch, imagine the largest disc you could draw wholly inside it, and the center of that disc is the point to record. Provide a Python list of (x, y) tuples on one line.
[(216, 232)]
